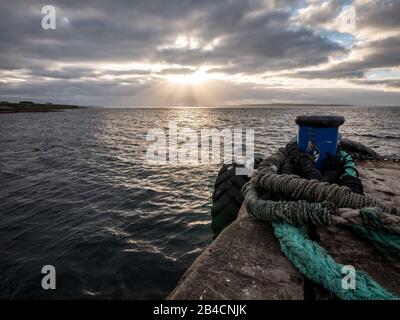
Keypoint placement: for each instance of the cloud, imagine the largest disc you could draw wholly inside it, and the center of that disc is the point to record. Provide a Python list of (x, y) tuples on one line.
[(126, 31), (378, 16), (377, 40), (117, 52), (390, 83), (319, 13), (374, 55)]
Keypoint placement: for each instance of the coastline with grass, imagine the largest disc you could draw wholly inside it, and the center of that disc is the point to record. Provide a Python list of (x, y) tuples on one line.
[(30, 106)]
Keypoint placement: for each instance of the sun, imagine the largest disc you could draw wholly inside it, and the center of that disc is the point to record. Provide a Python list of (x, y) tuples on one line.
[(194, 78)]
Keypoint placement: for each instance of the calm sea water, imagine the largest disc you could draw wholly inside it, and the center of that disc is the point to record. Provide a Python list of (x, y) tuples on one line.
[(76, 193)]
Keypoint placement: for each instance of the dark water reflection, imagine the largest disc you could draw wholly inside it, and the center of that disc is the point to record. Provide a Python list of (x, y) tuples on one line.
[(76, 193)]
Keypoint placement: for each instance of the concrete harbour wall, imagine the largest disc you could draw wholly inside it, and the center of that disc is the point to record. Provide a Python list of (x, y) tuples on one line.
[(245, 261)]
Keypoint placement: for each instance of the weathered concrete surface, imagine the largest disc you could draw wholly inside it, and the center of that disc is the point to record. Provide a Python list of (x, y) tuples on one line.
[(381, 180), (245, 261)]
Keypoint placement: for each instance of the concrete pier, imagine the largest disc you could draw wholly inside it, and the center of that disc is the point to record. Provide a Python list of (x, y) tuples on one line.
[(245, 261)]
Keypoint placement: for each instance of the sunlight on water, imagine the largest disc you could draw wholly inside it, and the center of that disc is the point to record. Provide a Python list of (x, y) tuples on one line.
[(77, 193)]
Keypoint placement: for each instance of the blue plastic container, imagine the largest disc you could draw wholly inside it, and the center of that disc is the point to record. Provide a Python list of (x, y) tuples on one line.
[(318, 135)]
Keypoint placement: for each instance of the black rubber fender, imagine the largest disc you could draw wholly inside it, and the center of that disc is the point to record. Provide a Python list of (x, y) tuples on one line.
[(227, 197)]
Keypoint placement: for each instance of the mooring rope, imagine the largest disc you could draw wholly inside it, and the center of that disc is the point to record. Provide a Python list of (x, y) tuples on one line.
[(317, 265), (295, 212), (320, 214), (387, 243), (297, 188), (321, 203)]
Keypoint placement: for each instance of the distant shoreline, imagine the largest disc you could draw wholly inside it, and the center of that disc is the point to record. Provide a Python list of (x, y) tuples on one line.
[(29, 106), (295, 105), (254, 106)]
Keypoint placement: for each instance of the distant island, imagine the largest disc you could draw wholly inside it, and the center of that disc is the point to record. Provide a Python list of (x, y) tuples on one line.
[(30, 106)]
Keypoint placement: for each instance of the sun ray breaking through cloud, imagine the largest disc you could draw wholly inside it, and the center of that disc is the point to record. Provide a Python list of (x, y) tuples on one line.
[(207, 53)]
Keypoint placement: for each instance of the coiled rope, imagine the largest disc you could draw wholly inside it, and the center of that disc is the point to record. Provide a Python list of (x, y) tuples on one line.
[(300, 213), (321, 203), (297, 188), (317, 265)]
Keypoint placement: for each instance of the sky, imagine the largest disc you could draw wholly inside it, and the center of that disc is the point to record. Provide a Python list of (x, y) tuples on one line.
[(204, 53)]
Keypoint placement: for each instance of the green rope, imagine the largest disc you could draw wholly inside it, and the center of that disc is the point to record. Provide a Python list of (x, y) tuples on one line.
[(349, 165), (378, 232), (302, 213), (294, 187), (294, 212), (318, 266), (368, 223), (387, 243), (317, 204)]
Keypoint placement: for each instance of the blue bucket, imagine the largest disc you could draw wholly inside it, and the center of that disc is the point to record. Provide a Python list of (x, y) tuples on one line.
[(318, 136)]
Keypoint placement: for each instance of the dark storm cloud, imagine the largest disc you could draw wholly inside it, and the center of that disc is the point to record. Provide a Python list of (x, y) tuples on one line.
[(115, 94), (245, 37), (376, 17), (379, 54), (370, 14), (390, 83), (94, 92), (379, 15), (134, 30), (340, 72), (64, 73), (264, 43)]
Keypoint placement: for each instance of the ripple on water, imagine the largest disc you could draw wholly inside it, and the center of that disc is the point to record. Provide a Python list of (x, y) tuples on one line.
[(76, 193)]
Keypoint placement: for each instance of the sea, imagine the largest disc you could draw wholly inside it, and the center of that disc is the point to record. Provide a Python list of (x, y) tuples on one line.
[(78, 193)]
